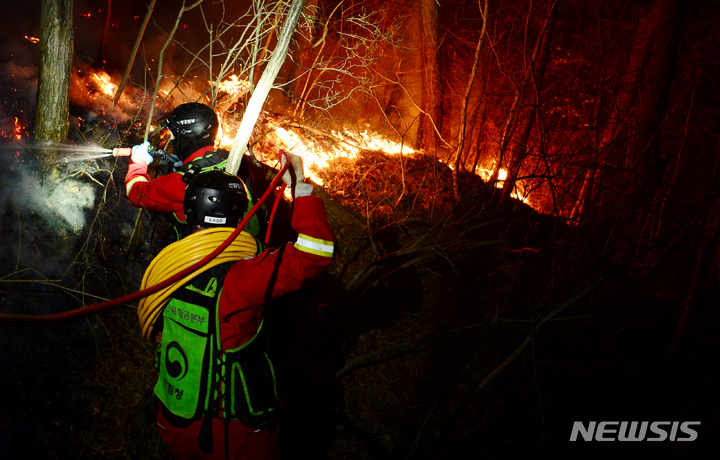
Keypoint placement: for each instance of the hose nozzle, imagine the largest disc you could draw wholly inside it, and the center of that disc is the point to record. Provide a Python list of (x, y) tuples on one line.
[(122, 151)]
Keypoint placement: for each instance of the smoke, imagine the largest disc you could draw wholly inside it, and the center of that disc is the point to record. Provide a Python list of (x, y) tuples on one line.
[(60, 203), (91, 98), (41, 213)]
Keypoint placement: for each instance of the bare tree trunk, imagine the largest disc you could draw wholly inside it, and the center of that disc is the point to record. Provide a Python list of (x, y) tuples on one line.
[(651, 163), (477, 132), (56, 51), (466, 101), (517, 144), (405, 107), (430, 74), (629, 116)]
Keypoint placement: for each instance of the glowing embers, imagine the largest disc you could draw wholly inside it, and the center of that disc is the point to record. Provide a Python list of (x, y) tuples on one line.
[(15, 131), (32, 39), (234, 87), (19, 130)]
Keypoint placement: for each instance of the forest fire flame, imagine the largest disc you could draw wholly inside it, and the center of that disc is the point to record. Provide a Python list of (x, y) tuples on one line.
[(519, 193), (316, 152), (103, 81), (14, 131), (348, 145), (19, 130), (234, 87)]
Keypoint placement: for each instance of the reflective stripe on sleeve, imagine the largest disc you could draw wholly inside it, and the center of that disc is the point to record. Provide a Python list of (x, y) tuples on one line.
[(132, 182), (314, 245)]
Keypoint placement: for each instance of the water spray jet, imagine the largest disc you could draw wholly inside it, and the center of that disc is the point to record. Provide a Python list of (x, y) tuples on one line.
[(70, 148), (82, 156), (93, 152)]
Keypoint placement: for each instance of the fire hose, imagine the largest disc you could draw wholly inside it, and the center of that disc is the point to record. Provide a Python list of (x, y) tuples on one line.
[(178, 256), (183, 271)]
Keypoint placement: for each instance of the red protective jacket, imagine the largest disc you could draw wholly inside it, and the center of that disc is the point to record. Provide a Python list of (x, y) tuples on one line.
[(162, 194), (248, 286)]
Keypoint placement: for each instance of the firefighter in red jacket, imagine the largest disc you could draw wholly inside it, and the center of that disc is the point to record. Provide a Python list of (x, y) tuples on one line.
[(194, 127), (216, 384)]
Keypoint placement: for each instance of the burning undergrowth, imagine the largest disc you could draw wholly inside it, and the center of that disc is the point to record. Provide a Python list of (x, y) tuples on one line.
[(94, 116), (390, 188)]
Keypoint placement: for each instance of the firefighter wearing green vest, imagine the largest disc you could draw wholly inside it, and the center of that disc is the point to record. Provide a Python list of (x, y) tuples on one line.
[(216, 385)]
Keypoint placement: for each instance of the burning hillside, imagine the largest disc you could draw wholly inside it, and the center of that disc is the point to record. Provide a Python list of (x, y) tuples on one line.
[(327, 153)]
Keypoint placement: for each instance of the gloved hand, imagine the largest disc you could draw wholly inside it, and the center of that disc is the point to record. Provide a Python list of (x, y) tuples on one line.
[(140, 153), (296, 164), (300, 188)]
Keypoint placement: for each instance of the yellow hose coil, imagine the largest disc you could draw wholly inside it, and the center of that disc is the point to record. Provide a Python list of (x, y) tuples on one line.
[(180, 255)]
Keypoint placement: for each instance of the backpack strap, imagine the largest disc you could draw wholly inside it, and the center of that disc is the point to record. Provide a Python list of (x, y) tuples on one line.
[(252, 383), (209, 161)]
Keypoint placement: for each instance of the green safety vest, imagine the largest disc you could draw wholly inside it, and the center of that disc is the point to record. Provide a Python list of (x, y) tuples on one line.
[(192, 366)]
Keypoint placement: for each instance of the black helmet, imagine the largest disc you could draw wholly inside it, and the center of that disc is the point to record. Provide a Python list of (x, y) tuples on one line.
[(194, 126), (215, 199), (193, 120)]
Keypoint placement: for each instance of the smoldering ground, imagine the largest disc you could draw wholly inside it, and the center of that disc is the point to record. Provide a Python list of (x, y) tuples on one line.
[(65, 245)]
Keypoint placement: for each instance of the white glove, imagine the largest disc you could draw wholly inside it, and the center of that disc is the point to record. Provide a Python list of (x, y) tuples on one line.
[(296, 163), (140, 153)]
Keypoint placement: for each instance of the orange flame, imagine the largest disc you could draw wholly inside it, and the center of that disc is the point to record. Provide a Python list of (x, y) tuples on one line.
[(33, 39), (18, 131), (223, 139), (234, 86), (102, 80), (318, 153), (519, 192), (347, 145)]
